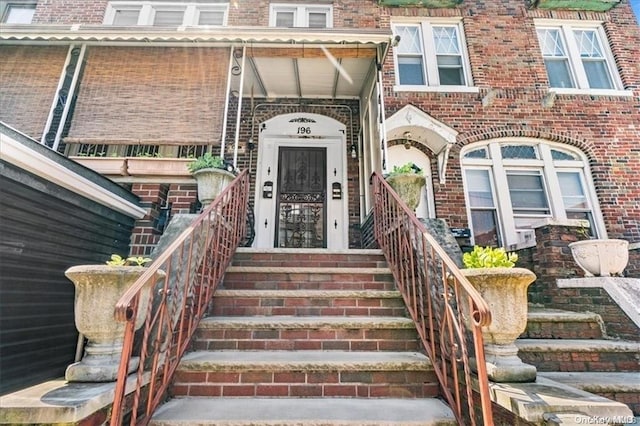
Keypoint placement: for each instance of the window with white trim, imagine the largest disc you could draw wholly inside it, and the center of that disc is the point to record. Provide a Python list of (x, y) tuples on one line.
[(512, 184), (431, 53), (577, 56), (171, 14), (306, 16), (17, 12)]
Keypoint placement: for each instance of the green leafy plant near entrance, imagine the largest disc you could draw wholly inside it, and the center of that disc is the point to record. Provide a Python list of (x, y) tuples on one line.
[(489, 257), (206, 161), (407, 168), (117, 260)]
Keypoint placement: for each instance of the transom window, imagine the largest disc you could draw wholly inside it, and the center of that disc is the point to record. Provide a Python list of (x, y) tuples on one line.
[(292, 15), (577, 57), (512, 184), (431, 54), (172, 14), (17, 12)]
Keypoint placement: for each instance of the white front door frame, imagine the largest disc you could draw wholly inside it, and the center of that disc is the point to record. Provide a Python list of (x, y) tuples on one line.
[(302, 130)]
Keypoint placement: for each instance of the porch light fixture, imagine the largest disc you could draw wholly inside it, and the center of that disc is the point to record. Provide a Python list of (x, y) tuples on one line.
[(407, 140), (354, 151)]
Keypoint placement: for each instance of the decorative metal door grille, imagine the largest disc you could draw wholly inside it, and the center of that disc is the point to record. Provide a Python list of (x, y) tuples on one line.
[(301, 199)]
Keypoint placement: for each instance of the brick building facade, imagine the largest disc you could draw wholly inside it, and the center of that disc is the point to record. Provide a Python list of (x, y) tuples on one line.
[(506, 143)]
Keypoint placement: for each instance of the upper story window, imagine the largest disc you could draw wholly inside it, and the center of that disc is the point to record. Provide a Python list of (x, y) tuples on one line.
[(17, 12), (292, 15), (174, 14), (512, 184), (432, 54), (577, 56)]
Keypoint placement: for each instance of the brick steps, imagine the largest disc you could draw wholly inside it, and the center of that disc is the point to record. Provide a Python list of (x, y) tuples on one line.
[(303, 412), (577, 355), (306, 333), (572, 348), (309, 258), (305, 374), (559, 324), (305, 337), (307, 278), (307, 302)]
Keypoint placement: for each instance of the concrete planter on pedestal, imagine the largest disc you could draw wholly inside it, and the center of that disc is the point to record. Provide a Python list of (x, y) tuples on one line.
[(409, 187), (98, 289), (211, 182), (505, 291), (601, 258)]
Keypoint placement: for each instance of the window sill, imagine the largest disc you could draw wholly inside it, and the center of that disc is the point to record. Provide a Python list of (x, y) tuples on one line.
[(438, 89), (591, 92)]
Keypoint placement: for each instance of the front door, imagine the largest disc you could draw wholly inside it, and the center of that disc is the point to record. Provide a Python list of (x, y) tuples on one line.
[(301, 198)]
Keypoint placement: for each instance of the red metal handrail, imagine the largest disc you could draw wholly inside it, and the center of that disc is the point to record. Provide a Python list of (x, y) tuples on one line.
[(448, 312), (194, 264)]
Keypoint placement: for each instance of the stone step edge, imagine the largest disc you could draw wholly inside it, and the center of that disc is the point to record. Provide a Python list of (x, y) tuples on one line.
[(186, 411), (556, 315), (335, 294), (240, 361), (577, 345), (317, 270), (251, 250), (598, 382), (293, 322)]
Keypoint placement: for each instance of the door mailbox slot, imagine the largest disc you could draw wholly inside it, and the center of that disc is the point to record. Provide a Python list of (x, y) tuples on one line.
[(336, 191), (267, 189)]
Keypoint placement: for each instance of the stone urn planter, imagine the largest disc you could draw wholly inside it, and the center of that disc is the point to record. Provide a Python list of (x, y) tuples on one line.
[(601, 257), (407, 181), (211, 182), (505, 291), (98, 289), (213, 174)]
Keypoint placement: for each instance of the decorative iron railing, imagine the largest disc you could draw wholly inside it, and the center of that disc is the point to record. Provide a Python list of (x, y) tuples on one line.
[(448, 312), (194, 264)]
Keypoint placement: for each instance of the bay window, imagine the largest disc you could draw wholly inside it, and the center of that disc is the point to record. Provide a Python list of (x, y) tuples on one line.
[(510, 185)]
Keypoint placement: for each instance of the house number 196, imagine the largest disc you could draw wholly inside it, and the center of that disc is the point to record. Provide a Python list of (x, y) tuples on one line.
[(304, 130)]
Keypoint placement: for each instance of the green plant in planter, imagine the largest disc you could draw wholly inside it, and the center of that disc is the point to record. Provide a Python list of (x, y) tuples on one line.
[(489, 257), (117, 260), (407, 168), (206, 161)]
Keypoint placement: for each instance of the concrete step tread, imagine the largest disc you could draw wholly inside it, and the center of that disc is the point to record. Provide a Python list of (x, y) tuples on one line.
[(538, 314), (580, 345), (596, 382), (334, 294), (306, 270), (313, 251), (304, 360), (294, 322), (302, 411)]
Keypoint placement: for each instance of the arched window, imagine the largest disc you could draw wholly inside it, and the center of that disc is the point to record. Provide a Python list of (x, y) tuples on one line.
[(510, 184)]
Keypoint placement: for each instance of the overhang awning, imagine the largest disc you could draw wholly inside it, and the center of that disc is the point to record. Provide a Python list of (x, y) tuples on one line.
[(279, 62)]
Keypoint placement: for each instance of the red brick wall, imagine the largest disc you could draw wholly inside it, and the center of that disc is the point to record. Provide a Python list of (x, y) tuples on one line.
[(153, 94), (70, 12), (181, 197), (29, 77), (505, 57)]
